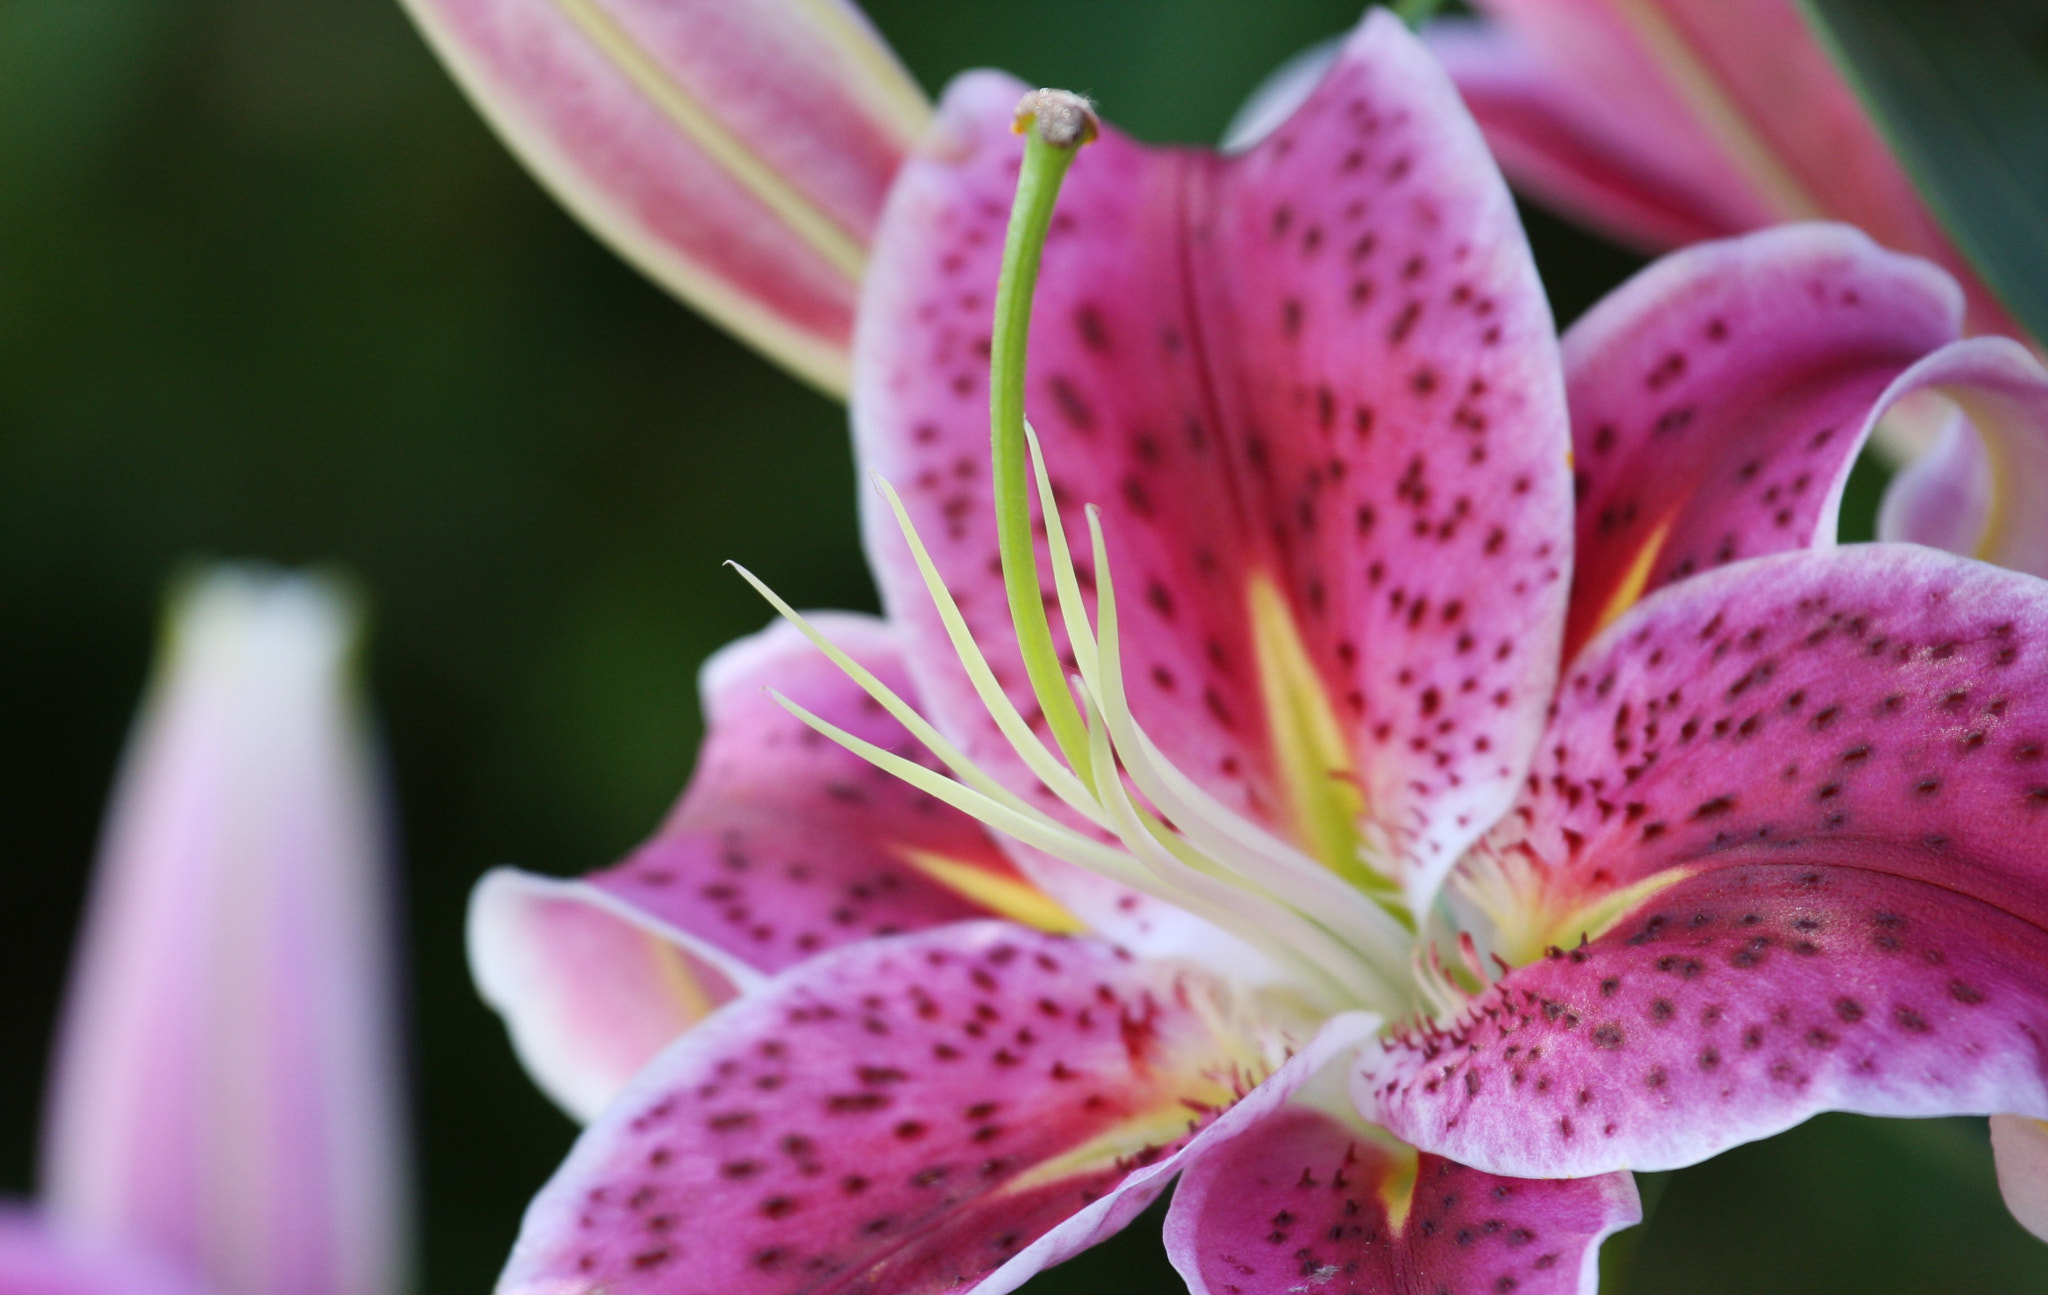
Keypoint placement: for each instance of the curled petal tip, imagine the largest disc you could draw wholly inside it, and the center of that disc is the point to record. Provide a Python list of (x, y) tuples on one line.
[(225, 1090)]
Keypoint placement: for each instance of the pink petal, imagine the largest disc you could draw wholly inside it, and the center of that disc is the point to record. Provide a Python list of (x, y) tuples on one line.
[(1562, 143), (915, 1111), (1300, 1201), (2020, 1146), (738, 154), (34, 1260), (1732, 101), (1324, 364), (1982, 490), (1838, 763), (226, 1092), (784, 845), (1719, 398)]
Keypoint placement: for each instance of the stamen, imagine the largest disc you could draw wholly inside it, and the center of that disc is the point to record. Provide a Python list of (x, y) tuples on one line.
[(1178, 843)]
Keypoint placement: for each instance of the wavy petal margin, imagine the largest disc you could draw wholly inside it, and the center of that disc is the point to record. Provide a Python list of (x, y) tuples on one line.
[(783, 846), (1789, 847), (1306, 1200), (927, 1111)]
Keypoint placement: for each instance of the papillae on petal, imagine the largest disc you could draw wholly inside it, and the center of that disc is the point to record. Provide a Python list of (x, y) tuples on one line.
[(1719, 399), (735, 151), (1814, 788), (1312, 388), (922, 1111), (226, 1092), (1312, 1200), (784, 845)]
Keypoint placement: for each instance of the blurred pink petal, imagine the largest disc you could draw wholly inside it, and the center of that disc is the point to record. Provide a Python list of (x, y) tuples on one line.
[(2020, 1146), (735, 151), (1666, 121), (1980, 490), (38, 1260), (226, 1086)]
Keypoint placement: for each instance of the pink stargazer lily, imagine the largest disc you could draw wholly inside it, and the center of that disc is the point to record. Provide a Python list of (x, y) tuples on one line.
[(224, 1113), (1314, 395)]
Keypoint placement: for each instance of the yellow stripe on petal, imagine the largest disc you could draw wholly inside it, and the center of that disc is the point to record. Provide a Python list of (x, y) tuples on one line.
[(1637, 578), (1010, 897), (673, 969), (1315, 768), (695, 120)]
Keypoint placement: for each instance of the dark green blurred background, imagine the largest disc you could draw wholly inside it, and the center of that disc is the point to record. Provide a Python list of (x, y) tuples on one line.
[(268, 288)]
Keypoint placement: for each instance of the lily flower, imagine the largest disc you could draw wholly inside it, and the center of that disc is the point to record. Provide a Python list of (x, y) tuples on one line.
[(1313, 397), (224, 1112), (1677, 121)]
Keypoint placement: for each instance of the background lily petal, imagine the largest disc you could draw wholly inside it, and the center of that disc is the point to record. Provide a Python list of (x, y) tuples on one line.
[(1837, 765), (1306, 1198), (1286, 378), (226, 1090), (1719, 398), (34, 1260), (2021, 1148), (1980, 491), (1728, 112), (784, 845), (735, 151)]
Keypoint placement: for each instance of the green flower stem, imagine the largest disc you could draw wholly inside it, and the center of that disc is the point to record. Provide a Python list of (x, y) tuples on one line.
[(1066, 118)]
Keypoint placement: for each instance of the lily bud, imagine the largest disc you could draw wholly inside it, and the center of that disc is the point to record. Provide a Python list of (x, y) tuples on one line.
[(735, 151), (226, 1090)]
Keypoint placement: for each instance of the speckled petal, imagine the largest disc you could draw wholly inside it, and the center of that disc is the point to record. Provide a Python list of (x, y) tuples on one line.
[(915, 1110), (34, 1260), (783, 846), (2020, 1146), (736, 152), (1322, 368), (1719, 398), (1307, 1201), (1814, 790), (1982, 490)]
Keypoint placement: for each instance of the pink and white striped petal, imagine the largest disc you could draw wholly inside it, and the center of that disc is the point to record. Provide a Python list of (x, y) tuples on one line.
[(1727, 110), (1312, 388), (226, 1091), (1306, 1200), (1791, 822), (1982, 490), (1719, 398), (784, 845), (735, 151), (35, 1260), (915, 1110), (1562, 143)]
